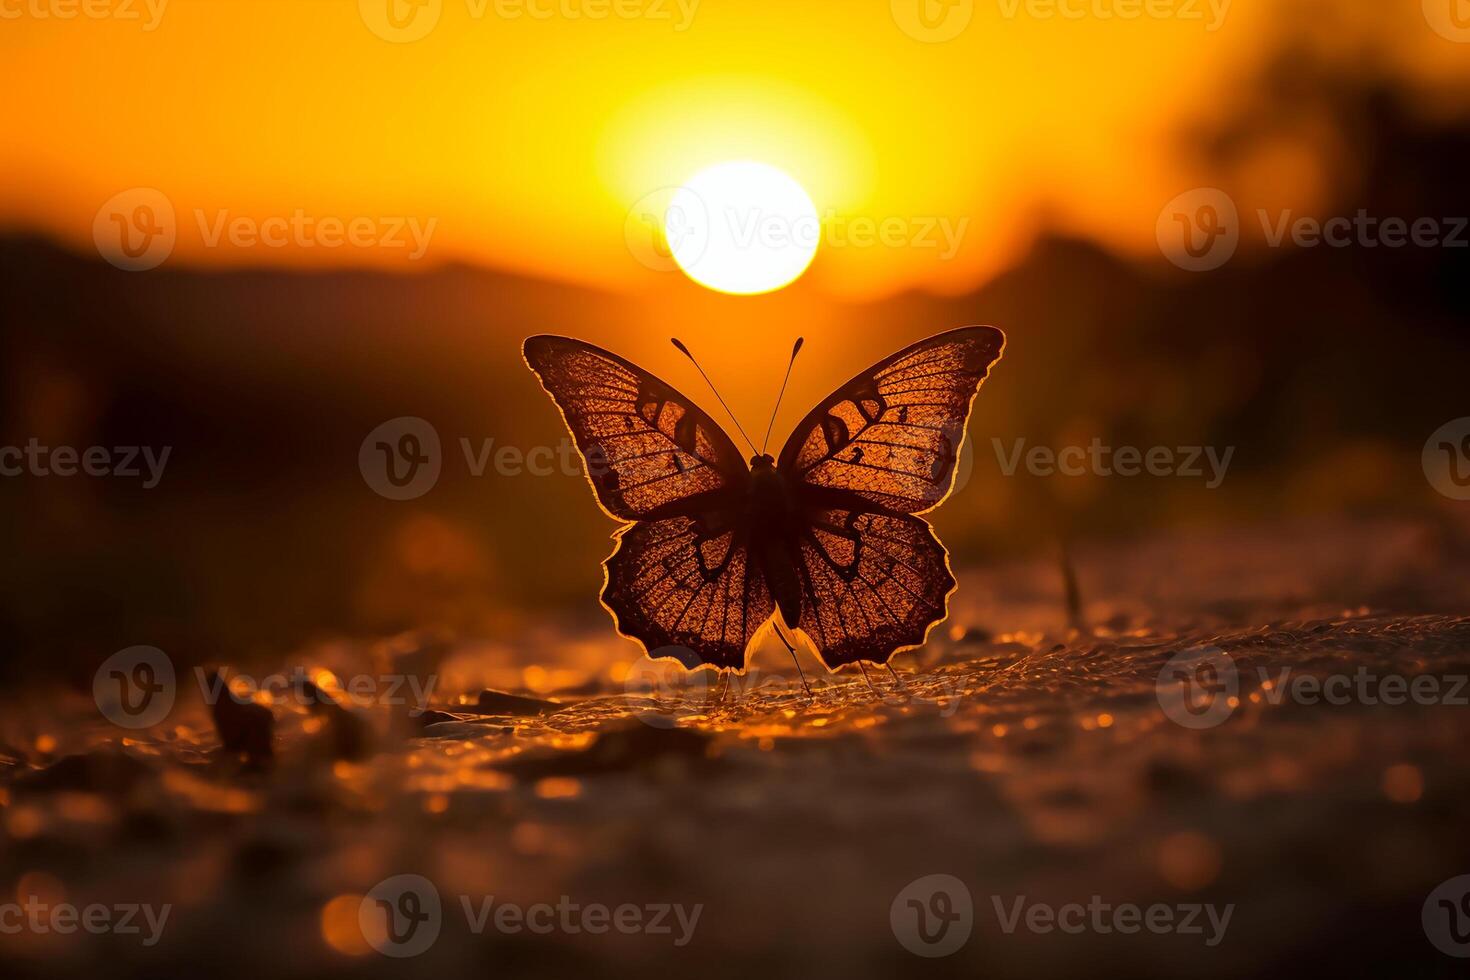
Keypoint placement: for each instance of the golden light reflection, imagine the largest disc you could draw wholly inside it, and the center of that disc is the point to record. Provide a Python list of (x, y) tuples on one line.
[(1403, 783), (39, 885), (558, 788), (24, 822), (1189, 860), (340, 927)]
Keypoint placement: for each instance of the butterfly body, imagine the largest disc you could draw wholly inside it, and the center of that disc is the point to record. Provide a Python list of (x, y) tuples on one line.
[(776, 523), (827, 534)]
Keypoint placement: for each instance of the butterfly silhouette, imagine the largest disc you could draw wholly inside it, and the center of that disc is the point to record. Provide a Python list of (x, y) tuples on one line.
[(828, 533)]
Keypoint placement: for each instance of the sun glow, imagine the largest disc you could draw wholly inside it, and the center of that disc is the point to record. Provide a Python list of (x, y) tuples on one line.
[(742, 227)]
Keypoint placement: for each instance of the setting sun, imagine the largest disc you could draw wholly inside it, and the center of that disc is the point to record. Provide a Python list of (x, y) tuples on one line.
[(742, 227)]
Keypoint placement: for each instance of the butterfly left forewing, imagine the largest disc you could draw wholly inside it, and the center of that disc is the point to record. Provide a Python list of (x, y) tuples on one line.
[(646, 447)]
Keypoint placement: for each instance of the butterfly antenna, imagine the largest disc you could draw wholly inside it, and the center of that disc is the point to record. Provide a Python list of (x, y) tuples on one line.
[(782, 393), (685, 351)]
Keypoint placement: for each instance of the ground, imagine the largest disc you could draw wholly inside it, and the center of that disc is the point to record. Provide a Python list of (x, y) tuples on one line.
[(1035, 762)]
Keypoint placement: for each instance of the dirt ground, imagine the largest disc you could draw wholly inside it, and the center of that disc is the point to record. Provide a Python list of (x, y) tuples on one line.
[(1059, 777)]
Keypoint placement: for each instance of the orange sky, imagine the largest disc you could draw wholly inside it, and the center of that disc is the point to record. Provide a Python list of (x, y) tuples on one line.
[(517, 135)]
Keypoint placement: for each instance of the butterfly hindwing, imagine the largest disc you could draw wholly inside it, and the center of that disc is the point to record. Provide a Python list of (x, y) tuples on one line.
[(892, 435), (646, 447), (685, 587), (873, 582)]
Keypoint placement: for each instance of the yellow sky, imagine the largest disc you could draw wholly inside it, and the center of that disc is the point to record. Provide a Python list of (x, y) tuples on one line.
[(519, 133)]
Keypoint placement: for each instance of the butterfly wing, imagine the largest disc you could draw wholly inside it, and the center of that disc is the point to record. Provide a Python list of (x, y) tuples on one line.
[(873, 582), (680, 581), (685, 587), (892, 435), (645, 447), (880, 450)]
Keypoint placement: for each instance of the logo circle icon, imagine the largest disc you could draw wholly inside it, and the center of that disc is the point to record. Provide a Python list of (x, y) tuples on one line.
[(401, 917), (669, 678), (400, 459), (1446, 917), (135, 229), (932, 21), (665, 221), (1199, 230), (1196, 687), (964, 468), (135, 688), (1446, 459), (932, 916), (1449, 19), (401, 21)]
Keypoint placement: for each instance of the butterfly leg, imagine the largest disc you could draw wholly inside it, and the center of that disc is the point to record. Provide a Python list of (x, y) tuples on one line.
[(792, 650), (732, 683), (896, 679), (871, 688)]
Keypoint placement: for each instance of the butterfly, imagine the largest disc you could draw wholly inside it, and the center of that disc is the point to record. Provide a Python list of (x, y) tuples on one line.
[(829, 534)]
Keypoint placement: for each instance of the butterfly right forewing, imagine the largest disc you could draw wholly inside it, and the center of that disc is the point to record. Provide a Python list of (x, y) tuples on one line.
[(892, 435)]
